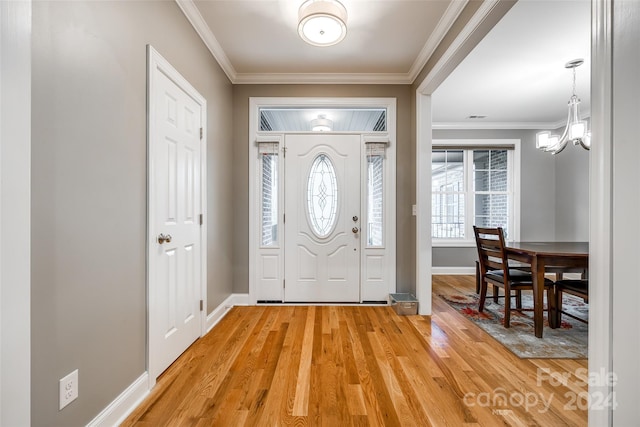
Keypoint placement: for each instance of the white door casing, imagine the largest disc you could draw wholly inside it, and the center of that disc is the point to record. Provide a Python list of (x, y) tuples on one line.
[(322, 261), (176, 237), (377, 271)]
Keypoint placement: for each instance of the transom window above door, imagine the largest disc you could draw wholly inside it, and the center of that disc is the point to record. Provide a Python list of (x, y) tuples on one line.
[(288, 119)]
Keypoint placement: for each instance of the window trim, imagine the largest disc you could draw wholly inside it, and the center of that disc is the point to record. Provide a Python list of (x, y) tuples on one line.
[(515, 174)]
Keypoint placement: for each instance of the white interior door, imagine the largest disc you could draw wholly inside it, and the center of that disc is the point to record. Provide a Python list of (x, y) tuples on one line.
[(322, 224), (175, 240)]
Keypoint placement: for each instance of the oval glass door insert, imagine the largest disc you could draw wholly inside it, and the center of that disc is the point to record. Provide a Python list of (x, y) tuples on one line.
[(322, 195)]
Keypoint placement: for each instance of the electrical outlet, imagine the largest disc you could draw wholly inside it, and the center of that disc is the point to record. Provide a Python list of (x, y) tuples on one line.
[(68, 389)]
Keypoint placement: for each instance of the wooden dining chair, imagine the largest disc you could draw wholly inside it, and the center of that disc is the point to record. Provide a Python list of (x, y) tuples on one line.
[(579, 288), (495, 270)]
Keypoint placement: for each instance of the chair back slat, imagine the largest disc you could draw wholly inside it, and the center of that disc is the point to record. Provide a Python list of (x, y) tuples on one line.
[(491, 250)]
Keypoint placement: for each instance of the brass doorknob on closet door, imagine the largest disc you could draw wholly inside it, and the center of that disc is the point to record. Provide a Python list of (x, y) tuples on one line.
[(355, 230), (164, 238)]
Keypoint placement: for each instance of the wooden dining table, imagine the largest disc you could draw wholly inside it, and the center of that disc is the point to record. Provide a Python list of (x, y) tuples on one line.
[(542, 256)]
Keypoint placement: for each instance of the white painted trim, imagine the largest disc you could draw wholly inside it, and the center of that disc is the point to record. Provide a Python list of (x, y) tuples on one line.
[(323, 78), (423, 203), (155, 61), (453, 271), (600, 206), (481, 124), (440, 243), (132, 397), (497, 125), (124, 404), (516, 185), (192, 13), (454, 10), (15, 213), (201, 27), (222, 309), (442, 68)]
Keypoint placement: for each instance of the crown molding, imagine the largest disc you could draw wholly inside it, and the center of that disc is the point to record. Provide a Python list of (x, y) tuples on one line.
[(192, 13), (194, 16), (496, 125), (444, 25), (506, 125), (323, 78)]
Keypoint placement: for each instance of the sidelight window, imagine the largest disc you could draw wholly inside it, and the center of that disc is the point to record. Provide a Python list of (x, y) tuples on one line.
[(269, 192), (375, 194)]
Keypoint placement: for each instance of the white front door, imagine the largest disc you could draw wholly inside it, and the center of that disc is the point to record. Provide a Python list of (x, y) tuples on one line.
[(175, 258), (322, 224)]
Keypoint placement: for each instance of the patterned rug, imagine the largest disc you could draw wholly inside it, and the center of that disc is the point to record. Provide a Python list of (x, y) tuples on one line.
[(567, 342)]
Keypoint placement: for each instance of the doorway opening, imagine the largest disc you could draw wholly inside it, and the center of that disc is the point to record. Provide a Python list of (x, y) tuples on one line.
[(322, 192)]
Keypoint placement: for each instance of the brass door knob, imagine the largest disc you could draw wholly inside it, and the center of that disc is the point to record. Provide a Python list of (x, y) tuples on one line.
[(355, 230), (164, 238)]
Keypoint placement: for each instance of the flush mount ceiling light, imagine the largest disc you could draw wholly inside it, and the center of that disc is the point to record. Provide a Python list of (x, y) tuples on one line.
[(321, 124), (322, 22), (575, 131)]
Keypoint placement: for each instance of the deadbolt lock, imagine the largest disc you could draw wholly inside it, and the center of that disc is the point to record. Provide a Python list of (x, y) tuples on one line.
[(355, 218)]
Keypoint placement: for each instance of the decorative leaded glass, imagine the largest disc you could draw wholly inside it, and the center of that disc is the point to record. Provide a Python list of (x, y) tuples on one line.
[(322, 195)]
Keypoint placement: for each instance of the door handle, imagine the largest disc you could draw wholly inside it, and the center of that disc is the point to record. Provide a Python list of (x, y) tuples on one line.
[(164, 238), (355, 230)]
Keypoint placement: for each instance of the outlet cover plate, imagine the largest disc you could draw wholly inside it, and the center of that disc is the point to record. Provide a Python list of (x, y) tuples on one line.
[(68, 389)]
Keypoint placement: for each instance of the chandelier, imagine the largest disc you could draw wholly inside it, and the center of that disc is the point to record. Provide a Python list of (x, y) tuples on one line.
[(576, 129), (322, 22)]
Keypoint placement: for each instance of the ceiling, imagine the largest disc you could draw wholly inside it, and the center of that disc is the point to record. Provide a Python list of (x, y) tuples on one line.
[(515, 76)]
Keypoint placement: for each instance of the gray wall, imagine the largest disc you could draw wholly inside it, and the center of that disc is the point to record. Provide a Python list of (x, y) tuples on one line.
[(554, 200), (89, 192), (572, 194), (405, 185)]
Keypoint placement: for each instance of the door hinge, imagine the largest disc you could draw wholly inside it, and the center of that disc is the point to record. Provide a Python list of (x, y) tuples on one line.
[(201, 219), (200, 133), (201, 305), (283, 284), (284, 218)]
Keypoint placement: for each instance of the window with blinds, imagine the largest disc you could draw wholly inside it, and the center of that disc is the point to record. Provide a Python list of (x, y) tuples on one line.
[(375, 194), (470, 186), (269, 193)]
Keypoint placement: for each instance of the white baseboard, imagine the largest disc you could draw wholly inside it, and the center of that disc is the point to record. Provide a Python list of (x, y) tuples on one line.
[(453, 270), (124, 404), (219, 312), (129, 399)]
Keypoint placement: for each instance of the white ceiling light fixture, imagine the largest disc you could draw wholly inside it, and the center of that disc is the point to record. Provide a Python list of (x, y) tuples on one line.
[(322, 22), (321, 124), (576, 129)]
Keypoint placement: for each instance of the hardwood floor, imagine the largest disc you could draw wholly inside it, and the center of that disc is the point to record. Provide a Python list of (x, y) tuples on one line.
[(339, 366)]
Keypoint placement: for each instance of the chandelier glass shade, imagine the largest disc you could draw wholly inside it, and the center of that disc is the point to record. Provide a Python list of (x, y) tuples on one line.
[(322, 22), (576, 130)]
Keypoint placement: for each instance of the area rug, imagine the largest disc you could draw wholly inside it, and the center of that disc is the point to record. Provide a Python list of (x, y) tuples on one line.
[(569, 341)]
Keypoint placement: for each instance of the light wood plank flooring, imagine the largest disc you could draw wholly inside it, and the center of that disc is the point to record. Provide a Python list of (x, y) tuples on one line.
[(340, 366)]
